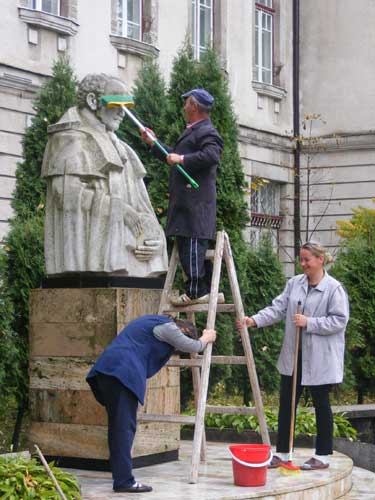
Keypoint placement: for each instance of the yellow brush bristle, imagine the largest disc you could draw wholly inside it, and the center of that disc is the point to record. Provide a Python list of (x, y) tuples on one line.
[(288, 472)]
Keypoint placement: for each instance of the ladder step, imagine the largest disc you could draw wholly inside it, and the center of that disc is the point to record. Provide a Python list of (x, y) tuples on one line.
[(231, 410), (172, 419), (225, 308), (228, 360), (185, 362), (215, 360)]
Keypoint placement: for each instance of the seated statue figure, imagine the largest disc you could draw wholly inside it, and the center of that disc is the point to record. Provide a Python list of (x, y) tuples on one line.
[(98, 214)]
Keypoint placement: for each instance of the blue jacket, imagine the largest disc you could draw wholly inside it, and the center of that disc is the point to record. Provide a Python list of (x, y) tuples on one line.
[(133, 356)]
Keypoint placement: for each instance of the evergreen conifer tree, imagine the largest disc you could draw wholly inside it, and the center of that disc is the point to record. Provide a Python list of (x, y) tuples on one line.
[(22, 260), (355, 268)]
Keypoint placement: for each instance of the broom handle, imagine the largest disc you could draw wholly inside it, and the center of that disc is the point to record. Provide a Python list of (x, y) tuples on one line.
[(50, 473), (142, 128), (294, 384)]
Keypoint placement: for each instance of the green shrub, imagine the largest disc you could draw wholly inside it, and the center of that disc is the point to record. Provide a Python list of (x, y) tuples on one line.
[(355, 268), (22, 478), (22, 261), (305, 423)]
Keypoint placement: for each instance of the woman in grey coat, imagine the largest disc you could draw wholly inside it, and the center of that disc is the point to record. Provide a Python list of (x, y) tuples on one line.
[(325, 314)]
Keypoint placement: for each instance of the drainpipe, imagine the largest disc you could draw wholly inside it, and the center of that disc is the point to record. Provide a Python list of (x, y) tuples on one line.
[(296, 129)]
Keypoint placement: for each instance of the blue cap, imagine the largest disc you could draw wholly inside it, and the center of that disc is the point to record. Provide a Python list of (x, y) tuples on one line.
[(201, 95)]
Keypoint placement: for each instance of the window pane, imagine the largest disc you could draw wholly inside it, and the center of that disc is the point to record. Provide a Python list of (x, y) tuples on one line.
[(266, 49), (266, 76), (51, 6), (267, 3), (193, 25), (263, 15), (205, 27), (254, 200), (134, 31), (120, 10), (201, 28), (257, 62), (133, 19), (134, 11)]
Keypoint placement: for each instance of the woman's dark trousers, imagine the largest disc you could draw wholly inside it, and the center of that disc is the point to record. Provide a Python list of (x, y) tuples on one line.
[(323, 413), (121, 405)]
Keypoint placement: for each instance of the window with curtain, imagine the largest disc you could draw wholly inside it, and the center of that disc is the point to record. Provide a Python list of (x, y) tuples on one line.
[(129, 18), (202, 26), (266, 199), (264, 26), (50, 6)]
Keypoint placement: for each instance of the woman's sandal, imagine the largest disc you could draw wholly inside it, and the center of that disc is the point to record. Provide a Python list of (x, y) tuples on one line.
[(314, 464)]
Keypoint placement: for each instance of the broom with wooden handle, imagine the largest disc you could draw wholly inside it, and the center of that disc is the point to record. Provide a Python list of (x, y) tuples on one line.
[(124, 102), (289, 465)]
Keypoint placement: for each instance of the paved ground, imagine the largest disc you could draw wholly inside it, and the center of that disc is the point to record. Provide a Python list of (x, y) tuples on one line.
[(216, 480)]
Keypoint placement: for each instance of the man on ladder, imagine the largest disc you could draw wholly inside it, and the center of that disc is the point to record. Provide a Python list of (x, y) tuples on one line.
[(192, 212)]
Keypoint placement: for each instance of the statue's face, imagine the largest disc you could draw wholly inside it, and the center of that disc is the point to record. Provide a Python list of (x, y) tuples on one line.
[(112, 117)]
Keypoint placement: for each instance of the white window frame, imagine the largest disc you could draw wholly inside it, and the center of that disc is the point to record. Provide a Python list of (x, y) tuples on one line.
[(264, 13), (127, 24), (199, 46), (38, 5)]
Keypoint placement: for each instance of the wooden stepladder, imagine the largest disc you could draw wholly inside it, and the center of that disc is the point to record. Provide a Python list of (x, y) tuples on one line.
[(201, 364)]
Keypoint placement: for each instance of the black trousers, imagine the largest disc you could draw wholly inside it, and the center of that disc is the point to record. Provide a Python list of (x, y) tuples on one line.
[(323, 413), (121, 405), (192, 252)]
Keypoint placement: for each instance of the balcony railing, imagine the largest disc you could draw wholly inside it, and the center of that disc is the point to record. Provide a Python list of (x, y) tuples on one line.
[(265, 220)]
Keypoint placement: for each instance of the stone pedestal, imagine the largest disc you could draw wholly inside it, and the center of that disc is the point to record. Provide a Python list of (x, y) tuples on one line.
[(69, 328)]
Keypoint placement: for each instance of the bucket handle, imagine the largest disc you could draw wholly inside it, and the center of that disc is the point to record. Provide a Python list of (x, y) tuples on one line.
[(248, 464)]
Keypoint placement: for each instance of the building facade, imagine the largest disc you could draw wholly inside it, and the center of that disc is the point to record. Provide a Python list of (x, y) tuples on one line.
[(254, 39)]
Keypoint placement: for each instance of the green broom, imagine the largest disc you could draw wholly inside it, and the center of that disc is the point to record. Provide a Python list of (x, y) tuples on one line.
[(125, 102)]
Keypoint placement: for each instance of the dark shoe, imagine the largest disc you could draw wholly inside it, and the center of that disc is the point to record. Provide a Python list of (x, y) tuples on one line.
[(135, 488), (314, 464), (275, 462)]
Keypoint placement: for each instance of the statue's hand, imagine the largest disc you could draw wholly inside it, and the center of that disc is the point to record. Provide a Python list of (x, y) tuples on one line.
[(133, 220), (148, 249)]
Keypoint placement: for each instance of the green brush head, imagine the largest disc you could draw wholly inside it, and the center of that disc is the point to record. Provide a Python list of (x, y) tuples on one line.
[(116, 101)]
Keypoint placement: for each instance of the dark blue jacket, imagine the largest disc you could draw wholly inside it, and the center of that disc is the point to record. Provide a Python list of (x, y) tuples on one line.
[(192, 212), (133, 356)]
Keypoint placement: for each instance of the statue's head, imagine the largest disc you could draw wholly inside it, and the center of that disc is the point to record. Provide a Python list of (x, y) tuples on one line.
[(92, 88)]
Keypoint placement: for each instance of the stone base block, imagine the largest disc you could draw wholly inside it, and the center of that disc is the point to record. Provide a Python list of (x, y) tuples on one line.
[(69, 328)]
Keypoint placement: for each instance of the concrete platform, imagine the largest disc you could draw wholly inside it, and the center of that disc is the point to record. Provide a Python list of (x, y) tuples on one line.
[(216, 480)]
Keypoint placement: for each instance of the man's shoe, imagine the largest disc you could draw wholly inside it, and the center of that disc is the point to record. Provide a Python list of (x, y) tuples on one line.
[(185, 300), (204, 299), (275, 462), (314, 464), (134, 488), (182, 300)]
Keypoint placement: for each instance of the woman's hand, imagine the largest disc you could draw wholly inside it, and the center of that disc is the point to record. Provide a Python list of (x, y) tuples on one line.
[(247, 321), (300, 320)]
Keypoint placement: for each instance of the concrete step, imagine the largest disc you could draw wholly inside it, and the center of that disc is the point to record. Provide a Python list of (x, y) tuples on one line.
[(170, 480)]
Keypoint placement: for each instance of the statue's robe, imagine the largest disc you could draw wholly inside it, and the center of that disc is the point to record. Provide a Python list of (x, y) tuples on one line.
[(92, 180)]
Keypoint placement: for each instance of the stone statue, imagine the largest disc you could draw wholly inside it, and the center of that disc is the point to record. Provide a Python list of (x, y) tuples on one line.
[(98, 214)]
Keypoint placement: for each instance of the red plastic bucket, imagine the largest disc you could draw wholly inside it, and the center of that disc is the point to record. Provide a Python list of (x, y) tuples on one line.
[(249, 462)]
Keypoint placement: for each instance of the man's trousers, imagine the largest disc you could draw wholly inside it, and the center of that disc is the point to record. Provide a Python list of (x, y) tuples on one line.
[(192, 253)]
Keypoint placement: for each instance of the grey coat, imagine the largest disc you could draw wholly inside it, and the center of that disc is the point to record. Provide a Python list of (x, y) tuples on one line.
[(323, 339)]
